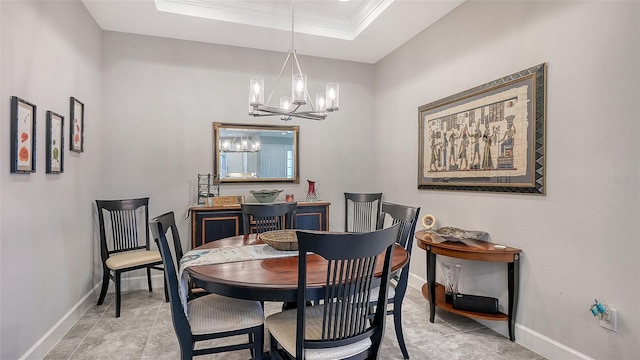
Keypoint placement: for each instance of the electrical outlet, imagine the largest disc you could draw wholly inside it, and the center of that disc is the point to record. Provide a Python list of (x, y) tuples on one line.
[(612, 322)]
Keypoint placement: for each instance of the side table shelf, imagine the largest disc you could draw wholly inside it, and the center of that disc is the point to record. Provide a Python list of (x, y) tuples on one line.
[(480, 251), (448, 307)]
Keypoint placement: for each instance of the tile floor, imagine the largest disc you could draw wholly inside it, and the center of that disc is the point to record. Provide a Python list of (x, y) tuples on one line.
[(144, 331)]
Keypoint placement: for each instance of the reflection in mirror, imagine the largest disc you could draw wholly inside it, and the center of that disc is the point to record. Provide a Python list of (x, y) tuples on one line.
[(255, 153)]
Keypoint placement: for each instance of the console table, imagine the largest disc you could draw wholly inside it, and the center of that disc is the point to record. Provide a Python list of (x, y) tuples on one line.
[(210, 223), (483, 251)]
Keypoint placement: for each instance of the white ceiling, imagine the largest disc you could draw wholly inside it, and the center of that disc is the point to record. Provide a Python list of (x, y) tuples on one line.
[(356, 30)]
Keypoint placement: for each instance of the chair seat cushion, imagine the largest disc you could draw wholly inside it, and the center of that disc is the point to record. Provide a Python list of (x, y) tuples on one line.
[(132, 259), (282, 327), (373, 296), (215, 314)]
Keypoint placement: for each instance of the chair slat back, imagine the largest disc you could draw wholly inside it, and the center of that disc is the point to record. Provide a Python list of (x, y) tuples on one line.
[(168, 222), (268, 217), (123, 225), (362, 211), (351, 263), (407, 217), (347, 297)]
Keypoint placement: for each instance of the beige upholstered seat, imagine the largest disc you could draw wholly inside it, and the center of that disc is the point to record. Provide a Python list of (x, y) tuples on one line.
[(390, 295), (282, 327), (131, 259), (214, 314)]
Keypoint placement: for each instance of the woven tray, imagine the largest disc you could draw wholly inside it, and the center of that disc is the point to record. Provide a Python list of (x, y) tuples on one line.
[(281, 239)]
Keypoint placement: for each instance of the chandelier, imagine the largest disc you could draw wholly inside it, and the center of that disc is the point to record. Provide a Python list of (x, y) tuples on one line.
[(291, 106), (240, 144)]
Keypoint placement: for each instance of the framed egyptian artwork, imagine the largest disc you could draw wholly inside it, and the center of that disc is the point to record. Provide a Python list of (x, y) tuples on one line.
[(488, 138)]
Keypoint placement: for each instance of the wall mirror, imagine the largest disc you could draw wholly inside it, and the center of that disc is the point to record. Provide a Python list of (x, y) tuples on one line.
[(255, 153)]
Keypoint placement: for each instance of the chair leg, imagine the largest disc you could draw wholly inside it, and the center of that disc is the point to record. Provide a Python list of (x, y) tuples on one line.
[(105, 284), (186, 352), (166, 289), (149, 279), (117, 294), (258, 341), (397, 321)]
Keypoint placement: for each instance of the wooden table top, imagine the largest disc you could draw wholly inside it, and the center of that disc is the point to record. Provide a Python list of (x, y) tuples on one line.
[(477, 250), (275, 279)]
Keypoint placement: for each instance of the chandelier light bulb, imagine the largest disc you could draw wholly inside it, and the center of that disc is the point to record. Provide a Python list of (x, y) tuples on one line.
[(333, 97), (285, 103), (321, 103), (256, 93), (299, 89)]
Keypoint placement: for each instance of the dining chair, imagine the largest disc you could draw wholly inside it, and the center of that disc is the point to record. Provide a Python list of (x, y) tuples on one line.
[(124, 243), (207, 317), (259, 218), (168, 221), (362, 211), (407, 218), (338, 328)]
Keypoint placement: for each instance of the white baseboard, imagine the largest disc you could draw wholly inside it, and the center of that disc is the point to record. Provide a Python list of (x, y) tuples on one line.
[(525, 337), (140, 282), (49, 340)]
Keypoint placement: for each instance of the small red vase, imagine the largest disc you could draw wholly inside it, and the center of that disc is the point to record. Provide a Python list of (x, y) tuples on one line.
[(311, 192)]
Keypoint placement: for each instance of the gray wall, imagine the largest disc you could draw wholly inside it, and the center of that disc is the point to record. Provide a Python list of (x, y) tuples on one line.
[(159, 97), (50, 52), (580, 241)]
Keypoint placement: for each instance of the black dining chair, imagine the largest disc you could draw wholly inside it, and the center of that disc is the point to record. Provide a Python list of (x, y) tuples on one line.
[(407, 218), (168, 222), (211, 316), (339, 327), (124, 243), (259, 218), (362, 211)]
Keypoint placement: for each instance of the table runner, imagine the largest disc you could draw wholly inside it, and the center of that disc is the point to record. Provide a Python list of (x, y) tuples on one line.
[(221, 256)]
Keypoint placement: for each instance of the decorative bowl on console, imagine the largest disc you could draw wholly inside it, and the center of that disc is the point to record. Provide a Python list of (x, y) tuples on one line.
[(265, 196)]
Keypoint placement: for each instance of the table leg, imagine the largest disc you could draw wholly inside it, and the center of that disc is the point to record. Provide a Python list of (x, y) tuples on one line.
[(513, 279), (431, 283)]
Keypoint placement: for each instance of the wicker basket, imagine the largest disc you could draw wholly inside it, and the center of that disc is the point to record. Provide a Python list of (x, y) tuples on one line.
[(281, 239)]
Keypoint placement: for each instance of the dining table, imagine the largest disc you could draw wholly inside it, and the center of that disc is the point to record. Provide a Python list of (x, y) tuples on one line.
[(268, 279)]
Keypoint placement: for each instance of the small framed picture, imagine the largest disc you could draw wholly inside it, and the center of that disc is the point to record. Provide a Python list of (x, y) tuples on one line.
[(55, 143), (76, 127), (23, 136)]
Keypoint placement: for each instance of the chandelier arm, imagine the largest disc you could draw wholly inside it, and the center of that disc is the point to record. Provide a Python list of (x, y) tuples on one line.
[(286, 61), (272, 111)]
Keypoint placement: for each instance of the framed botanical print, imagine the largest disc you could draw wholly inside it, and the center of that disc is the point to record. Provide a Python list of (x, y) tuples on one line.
[(23, 136), (55, 143), (488, 138), (76, 126)]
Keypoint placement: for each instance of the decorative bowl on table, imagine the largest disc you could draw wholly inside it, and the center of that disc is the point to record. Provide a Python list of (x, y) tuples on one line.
[(265, 196), (281, 239)]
